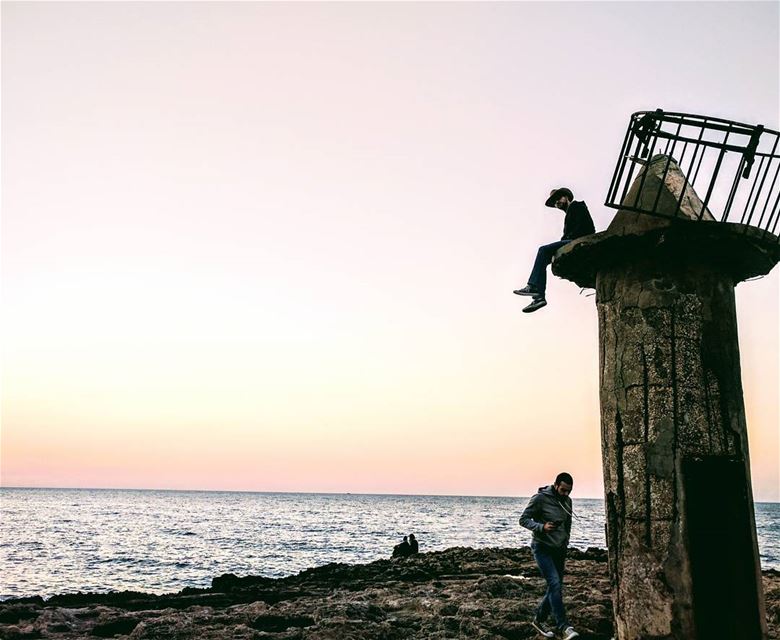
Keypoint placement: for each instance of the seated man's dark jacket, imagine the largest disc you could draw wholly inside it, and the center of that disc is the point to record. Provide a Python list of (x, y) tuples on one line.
[(578, 222)]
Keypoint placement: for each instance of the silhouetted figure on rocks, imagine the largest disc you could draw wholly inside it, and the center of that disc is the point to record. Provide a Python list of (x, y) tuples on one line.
[(548, 514), (576, 224), (403, 549), (413, 546)]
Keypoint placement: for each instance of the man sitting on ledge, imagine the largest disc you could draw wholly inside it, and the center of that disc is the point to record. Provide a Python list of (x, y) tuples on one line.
[(576, 224)]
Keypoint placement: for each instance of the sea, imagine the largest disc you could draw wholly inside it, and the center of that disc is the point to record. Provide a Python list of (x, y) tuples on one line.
[(68, 540)]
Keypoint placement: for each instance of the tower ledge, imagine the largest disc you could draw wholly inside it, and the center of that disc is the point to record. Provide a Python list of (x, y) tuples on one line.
[(741, 251)]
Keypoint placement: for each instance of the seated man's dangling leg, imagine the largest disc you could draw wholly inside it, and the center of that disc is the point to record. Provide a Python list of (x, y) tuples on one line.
[(544, 256), (537, 281), (538, 278)]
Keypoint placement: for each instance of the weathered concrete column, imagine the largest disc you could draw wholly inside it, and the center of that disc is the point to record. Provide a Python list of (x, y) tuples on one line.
[(684, 561)]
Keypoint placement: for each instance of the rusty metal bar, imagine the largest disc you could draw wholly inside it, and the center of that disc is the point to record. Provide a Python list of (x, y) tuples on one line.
[(769, 197), (666, 170), (732, 193), (701, 157), (750, 197), (760, 187), (774, 182), (647, 167), (712, 182), (621, 165), (772, 215), (631, 170)]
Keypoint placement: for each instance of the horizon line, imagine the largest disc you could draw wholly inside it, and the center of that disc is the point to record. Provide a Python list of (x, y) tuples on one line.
[(320, 493), (316, 493)]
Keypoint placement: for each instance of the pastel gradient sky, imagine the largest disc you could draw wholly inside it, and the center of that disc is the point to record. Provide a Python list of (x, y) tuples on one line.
[(271, 246)]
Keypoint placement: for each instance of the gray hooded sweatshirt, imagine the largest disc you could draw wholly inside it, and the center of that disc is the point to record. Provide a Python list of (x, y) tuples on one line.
[(548, 506)]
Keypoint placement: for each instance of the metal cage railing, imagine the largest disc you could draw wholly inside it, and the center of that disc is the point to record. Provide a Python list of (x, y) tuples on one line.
[(725, 171)]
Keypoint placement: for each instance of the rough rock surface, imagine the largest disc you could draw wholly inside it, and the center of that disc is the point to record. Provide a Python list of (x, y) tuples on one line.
[(662, 186), (457, 593)]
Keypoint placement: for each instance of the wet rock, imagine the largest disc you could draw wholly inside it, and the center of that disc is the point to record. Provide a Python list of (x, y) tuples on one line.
[(17, 633), (275, 623), (86, 614), (230, 582), (457, 593), (122, 626), (15, 613), (500, 587)]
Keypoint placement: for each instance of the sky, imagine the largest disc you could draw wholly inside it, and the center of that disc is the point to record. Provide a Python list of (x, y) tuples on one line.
[(271, 246)]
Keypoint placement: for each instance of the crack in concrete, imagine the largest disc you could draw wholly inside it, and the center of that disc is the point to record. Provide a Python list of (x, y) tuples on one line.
[(646, 427)]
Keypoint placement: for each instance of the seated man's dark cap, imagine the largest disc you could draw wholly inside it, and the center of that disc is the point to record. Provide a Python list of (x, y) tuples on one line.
[(557, 193)]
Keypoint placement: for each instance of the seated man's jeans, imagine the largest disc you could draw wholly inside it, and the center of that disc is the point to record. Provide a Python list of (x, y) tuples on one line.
[(544, 257), (550, 562)]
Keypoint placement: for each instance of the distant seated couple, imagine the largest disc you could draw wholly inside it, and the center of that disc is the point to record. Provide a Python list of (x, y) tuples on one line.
[(406, 548)]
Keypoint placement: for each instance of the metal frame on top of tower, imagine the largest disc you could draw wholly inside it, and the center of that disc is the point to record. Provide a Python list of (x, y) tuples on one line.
[(734, 167)]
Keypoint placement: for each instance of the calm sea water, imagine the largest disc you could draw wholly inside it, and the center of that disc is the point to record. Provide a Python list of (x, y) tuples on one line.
[(67, 540)]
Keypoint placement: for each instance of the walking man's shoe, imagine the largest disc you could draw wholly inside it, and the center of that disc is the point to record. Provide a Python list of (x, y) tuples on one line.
[(527, 291), (542, 629), (568, 633), (537, 303)]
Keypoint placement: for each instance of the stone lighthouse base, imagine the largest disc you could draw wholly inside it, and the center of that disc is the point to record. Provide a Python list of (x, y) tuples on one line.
[(684, 561)]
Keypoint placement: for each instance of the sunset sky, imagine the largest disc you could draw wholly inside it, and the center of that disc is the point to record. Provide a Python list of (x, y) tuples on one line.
[(271, 246)]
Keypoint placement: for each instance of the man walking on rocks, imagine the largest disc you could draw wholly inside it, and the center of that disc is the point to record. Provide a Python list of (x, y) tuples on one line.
[(576, 224), (548, 514)]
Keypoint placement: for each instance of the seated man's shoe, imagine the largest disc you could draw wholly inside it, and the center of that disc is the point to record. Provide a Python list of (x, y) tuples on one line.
[(527, 291), (568, 633), (537, 303), (542, 628)]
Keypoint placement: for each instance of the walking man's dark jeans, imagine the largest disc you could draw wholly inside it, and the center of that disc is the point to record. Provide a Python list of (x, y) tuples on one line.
[(551, 561), (544, 257)]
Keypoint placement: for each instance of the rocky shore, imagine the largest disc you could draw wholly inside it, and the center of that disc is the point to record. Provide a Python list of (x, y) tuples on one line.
[(457, 593)]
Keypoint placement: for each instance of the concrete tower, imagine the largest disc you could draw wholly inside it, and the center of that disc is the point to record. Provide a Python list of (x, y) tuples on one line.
[(684, 561)]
